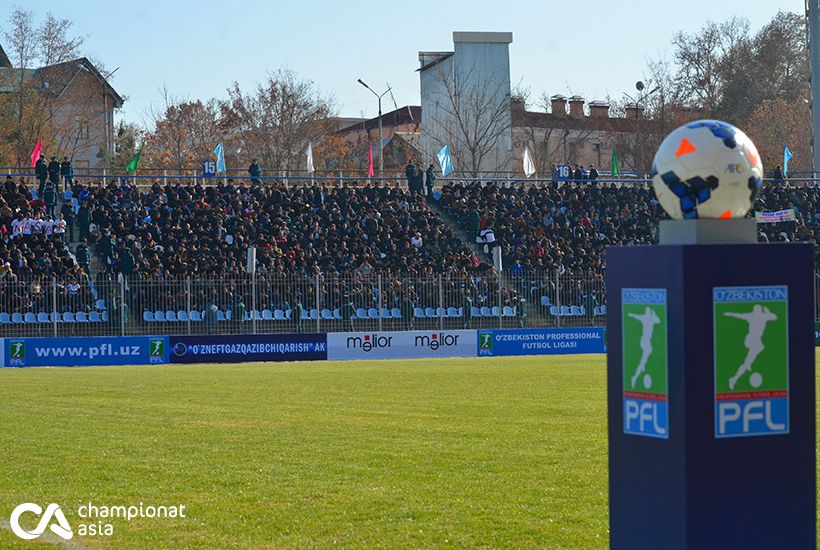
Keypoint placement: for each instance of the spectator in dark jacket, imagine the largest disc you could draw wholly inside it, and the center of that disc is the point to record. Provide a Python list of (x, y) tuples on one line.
[(41, 171), (255, 172), (54, 172), (67, 171)]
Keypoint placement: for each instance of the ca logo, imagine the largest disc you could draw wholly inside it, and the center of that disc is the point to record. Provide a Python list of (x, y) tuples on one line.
[(63, 529)]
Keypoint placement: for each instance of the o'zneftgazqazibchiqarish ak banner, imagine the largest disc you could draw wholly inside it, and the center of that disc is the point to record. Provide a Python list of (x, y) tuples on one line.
[(248, 347)]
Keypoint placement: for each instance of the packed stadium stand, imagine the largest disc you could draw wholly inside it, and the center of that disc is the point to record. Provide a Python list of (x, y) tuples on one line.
[(343, 256)]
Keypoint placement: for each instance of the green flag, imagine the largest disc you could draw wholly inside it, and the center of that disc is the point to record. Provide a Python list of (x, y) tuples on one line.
[(132, 166), (615, 170)]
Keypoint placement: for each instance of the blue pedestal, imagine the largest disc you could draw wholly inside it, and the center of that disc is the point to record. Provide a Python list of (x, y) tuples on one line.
[(711, 393)]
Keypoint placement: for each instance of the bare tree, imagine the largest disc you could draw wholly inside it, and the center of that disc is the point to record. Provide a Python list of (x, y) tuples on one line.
[(473, 117), (184, 132), (276, 121)]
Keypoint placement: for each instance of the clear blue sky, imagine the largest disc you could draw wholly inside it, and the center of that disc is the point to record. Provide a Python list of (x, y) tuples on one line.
[(198, 48)]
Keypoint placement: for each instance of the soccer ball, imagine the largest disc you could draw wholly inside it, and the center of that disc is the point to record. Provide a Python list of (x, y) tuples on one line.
[(707, 169)]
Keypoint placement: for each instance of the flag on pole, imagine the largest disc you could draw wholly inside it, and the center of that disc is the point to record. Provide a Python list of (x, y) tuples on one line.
[(370, 171), (615, 170), (309, 155), (35, 154), (445, 161), (219, 153), (787, 155), (132, 166), (529, 165)]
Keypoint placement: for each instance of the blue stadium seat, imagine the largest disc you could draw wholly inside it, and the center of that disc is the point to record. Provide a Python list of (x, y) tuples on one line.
[(372, 313), (171, 316), (229, 315), (220, 315), (574, 310), (16, 317), (288, 314), (385, 313), (496, 311), (100, 304), (430, 312), (545, 301), (453, 312), (564, 311), (68, 317), (94, 317), (395, 313), (256, 315), (554, 311), (361, 313), (147, 316), (42, 317), (29, 317), (81, 317), (603, 309), (326, 314), (104, 316), (508, 311), (486, 312), (337, 314), (5, 318), (53, 317), (182, 316), (159, 316), (418, 313), (279, 315), (195, 316), (267, 315), (475, 311)]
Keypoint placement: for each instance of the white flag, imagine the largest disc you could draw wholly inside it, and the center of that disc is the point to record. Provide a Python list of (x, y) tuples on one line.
[(529, 165), (309, 155)]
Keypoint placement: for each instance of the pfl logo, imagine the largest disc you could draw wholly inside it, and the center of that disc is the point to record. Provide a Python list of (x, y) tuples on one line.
[(62, 529), (17, 353), (369, 342), (156, 349), (734, 168)]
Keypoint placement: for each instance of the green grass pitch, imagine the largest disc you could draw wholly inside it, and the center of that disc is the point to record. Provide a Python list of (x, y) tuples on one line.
[(496, 452)]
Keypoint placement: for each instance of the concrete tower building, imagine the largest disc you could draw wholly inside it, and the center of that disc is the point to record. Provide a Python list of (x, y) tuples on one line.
[(465, 102)]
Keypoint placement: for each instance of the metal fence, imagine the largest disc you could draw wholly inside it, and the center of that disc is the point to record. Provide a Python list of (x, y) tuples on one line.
[(282, 303)]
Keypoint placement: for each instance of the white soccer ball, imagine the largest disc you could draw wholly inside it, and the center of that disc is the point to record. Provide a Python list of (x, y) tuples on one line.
[(707, 169)]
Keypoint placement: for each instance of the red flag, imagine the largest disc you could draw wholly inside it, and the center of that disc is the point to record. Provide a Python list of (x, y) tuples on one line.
[(35, 155), (370, 171)]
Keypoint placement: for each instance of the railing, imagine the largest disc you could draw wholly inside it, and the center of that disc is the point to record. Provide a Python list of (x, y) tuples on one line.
[(263, 304)]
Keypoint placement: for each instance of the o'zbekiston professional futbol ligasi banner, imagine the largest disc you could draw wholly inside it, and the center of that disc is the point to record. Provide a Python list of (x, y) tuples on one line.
[(751, 360), (645, 368)]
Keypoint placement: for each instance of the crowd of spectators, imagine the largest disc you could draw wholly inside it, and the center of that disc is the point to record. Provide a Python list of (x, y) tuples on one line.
[(346, 238), (365, 246), (565, 228)]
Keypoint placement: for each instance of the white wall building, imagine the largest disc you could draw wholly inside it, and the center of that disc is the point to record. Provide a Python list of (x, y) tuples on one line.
[(465, 102)]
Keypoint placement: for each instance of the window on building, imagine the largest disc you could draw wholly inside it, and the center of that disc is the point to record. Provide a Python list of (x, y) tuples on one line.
[(82, 128)]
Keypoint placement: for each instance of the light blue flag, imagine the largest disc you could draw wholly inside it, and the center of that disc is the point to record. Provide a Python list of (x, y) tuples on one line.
[(219, 153), (786, 156), (445, 161)]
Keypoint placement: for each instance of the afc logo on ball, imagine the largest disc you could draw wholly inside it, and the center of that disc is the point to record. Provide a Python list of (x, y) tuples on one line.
[(735, 168)]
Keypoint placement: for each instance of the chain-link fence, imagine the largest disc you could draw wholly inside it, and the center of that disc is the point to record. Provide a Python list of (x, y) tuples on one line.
[(361, 301)]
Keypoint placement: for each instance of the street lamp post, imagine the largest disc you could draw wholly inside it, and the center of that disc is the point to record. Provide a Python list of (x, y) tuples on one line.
[(640, 86), (381, 144)]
